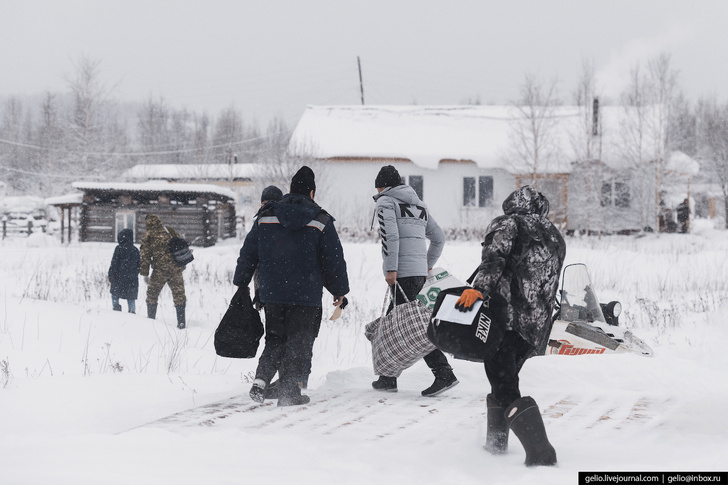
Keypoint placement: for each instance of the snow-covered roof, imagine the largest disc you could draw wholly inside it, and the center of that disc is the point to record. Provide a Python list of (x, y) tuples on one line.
[(214, 171), (74, 198), (428, 134), (682, 164), (155, 186)]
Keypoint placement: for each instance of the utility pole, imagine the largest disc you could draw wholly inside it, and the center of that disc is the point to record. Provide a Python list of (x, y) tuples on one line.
[(361, 82)]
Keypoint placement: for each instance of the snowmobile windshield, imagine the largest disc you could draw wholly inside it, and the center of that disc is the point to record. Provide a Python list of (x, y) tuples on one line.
[(579, 301)]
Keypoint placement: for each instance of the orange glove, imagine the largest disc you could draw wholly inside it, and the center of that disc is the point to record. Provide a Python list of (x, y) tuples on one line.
[(467, 300)]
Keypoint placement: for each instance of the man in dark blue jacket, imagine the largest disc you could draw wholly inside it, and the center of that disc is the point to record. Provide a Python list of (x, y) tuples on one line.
[(296, 248)]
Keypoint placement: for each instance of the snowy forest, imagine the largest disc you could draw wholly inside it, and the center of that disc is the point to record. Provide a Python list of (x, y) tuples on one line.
[(47, 143)]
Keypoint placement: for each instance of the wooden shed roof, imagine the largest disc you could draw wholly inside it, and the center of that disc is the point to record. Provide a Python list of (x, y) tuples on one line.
[(157, 187)]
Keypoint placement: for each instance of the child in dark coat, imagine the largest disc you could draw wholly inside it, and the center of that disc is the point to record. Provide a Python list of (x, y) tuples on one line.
[(124, 271)]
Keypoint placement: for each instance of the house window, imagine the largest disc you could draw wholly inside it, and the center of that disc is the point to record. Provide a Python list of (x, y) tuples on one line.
[(483, 194), (468, 191), (417, 183), (125, 220), (615, 194), (485, 191)]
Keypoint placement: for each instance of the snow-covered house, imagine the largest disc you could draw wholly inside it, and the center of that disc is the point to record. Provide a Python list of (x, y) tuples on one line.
[(201, 214), (464, 160)]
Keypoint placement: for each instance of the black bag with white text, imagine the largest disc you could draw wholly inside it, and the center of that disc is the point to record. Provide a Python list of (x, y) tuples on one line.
[(474, 341)]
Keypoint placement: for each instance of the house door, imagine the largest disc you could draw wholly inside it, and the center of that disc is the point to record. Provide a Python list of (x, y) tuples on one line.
[(125, 220)]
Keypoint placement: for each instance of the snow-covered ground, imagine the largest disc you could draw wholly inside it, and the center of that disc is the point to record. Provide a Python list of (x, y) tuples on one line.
[(79, 383)]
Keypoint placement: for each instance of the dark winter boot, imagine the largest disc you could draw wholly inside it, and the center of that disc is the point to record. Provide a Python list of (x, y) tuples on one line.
[(444, 380), (259, 391), (496, 439), (290, 395), (152, 310), (180, 316), (384, 383), (273, 390), (117, 308), (525, 420)]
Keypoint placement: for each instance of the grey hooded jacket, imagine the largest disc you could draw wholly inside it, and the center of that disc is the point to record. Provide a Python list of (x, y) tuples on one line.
[(405, 225)]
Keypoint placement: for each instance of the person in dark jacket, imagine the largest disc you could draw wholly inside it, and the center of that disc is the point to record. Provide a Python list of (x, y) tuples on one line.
[(269, 194), (295, 246), (124, 272), (405, 227), (683, 216), (155, 253), (522, 257)]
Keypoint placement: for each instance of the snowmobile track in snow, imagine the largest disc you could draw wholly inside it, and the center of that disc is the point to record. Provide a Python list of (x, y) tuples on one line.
[(375, 416), (617, 413)]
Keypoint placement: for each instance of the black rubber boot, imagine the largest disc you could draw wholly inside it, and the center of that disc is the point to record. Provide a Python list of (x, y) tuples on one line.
[(384, 383), (496, 438), (180, 316), (116, 308), (152, 310), (525, 420)]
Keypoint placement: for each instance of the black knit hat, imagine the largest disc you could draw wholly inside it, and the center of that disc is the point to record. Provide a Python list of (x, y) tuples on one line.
[(303, 182), (271, 193), (388, 176)]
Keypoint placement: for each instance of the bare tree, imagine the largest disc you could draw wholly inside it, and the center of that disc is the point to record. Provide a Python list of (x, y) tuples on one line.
[(50, 140), (202, 139), (153, 127), (229, 131), (92, 132), (681, 130), (648, 103), (533, 147), (712, 136), (181, 137), (586, 141), (14, 154)]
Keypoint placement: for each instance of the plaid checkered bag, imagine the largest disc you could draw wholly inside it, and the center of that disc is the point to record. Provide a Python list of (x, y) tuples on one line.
[(399, 339)]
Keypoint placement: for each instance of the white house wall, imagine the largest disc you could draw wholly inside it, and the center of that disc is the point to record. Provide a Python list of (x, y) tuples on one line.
[(349, 186)]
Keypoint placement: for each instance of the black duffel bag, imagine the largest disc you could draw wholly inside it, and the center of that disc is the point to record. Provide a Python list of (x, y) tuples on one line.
[(475, 341), (240, 329)]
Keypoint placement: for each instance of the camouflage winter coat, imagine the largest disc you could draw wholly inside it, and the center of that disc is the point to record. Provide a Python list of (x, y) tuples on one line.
[(155, 248), (522, 258)]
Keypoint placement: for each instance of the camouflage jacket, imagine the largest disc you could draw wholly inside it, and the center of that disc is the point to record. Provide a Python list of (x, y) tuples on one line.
[(155, 248), (522, 258)]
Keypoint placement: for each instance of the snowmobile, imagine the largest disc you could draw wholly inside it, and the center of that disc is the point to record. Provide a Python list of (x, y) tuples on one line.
[(582, 325)]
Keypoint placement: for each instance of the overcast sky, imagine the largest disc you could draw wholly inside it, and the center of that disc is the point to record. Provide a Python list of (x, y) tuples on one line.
[(269, 57)]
